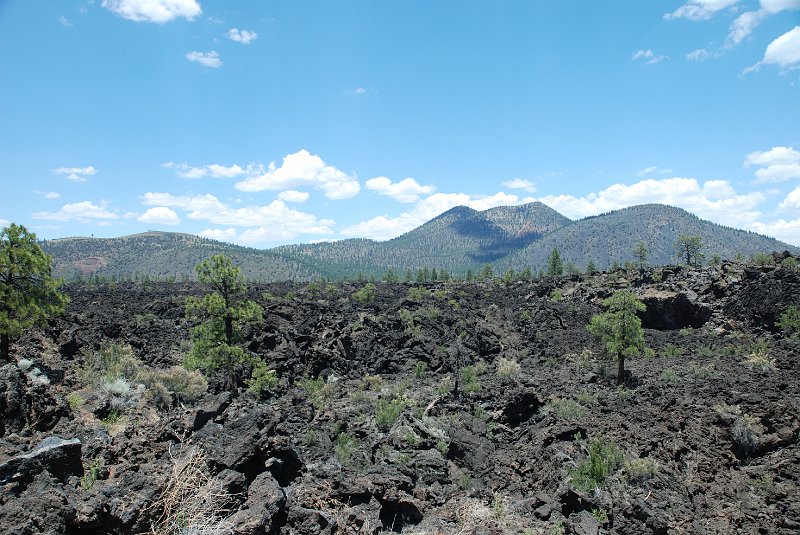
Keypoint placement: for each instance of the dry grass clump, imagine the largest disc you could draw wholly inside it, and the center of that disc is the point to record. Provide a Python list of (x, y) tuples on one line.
[(508, 368), (192, 502)]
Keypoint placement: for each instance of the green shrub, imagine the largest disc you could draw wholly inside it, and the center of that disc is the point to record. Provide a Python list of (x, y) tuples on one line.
[(317, 391), (112, 418), (556, 295), (669, 376), (420, 368), (672, 351), (418, 294), (345, 447), (700, 371), (789, 322), (145, 320), (565, 408), (790, 263), (600, 515), (761, 259), (469, 379), (263, 380), (91, 475), (366, 294), (705, 352), (109, 363), (387, 412), (74, 400), (603, 460)]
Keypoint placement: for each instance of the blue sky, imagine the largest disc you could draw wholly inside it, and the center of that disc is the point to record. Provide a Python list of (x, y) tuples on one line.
[(272, 122)]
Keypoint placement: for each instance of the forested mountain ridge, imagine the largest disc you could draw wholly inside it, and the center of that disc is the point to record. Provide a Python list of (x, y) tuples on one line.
[(508, 237), (162, 255), (611, 237)]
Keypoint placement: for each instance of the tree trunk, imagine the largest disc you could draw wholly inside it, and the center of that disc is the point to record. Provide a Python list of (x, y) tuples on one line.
[(229, 329), (620, 369), (5, 343)]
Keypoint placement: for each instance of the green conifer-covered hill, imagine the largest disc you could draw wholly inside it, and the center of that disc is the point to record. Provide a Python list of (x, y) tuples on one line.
[(162, 255), (461, 239), (612, 237)]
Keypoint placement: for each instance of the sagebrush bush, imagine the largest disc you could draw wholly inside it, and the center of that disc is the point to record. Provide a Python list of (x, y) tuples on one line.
[(115, 371), (744, 434), (638, 471), (565, 408), (759, 356), (508, 367)]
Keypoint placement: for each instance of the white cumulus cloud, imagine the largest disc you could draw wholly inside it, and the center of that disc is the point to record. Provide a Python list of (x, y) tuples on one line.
[(76, 174), (700, 9), (209, 59), (407, 190), (520, 183), (291, 195), (715, 200), (784, 52), (792, 200), (384, 227), (788, 231), (778, 164), (228, 234), (241, 36), (158, 11), (160, 215), (272, 221), (82, 212), (303, 169)]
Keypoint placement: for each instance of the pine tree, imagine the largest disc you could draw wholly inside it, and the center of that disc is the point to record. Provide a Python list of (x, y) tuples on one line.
[(555, 267), (222, 314), (389, 275), (688, 247), (28, 293), (620, 329), (641, 253)]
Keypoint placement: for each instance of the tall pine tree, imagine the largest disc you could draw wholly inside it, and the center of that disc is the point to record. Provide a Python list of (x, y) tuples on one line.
[(28, 293)]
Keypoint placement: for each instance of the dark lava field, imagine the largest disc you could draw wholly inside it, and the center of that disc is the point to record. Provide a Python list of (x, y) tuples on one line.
[(443, 408)]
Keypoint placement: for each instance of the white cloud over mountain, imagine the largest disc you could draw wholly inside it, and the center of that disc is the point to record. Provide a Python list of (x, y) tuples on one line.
[(407, 190), (303, 169)]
